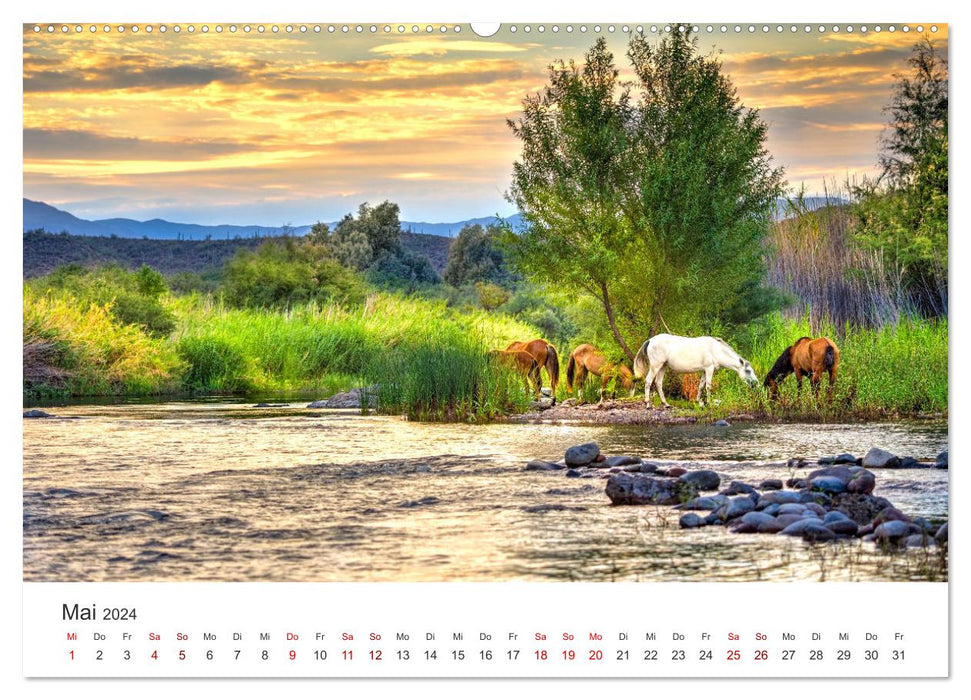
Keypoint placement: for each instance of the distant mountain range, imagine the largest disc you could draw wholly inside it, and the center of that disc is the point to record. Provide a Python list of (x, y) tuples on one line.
[(38, 215)]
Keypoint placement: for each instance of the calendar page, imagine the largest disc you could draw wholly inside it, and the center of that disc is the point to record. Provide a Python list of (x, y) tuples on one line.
[(542, 350)]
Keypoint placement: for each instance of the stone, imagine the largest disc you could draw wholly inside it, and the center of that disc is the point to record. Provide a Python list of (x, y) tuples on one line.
[(796, 483), (833, 516), (703, 503), (941, 534), (779, 497), (37, 413), (756, 518), (648, 468), (703, 479), (622, 461), (817, 532), (843, 527), (772, 509), (740, 487), (909, 463), (769, 527), (862, 482), (690, 520), (892, 530), (797, 528), (573, 473), (845, 458), (722, 423), (787, 519), (815, 509), (861, 508), (842, 472), (880, 459), (792, 509), (426, 501), (540, 465), (827, 460), (827, 484), (630, 489), (676, 471), (582, 455), (941, 461), (890, 514), (735, 508), (796, 463), (770, 485)]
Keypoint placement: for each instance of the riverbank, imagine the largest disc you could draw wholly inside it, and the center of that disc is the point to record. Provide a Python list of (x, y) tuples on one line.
[(634, 411)]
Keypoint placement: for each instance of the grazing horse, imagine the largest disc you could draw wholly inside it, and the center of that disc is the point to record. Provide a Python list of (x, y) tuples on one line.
[(546, 357), (807, 356), (586, 359), (680, 354), (522, 362)]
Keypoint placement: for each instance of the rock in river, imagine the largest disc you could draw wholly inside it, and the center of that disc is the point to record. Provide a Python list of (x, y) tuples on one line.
[(880, 459), (941, 462), (689, 520), (861, 508), (37, 413), (892, 531), (621, 461), (540, 465), (582, 455), (735, 508), (635, 489), (704, 479), (827, 484), (770, 485)]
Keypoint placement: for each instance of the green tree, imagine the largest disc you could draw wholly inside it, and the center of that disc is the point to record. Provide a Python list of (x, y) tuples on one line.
[(904, 213), (656, 206), (475, 256)]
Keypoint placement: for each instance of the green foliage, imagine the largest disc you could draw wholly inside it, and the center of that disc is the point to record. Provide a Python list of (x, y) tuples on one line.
[(475, 256), (904, 214), (491, 296), (401, 270), (656, 209), (74, 347), (214, 364), (288, 272), (131, 297)]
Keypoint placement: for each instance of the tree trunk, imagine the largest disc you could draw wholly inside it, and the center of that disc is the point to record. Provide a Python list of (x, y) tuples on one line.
[(608, 307)]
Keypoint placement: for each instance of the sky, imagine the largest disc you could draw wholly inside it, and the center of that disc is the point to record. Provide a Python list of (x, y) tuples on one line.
[(273, 128)]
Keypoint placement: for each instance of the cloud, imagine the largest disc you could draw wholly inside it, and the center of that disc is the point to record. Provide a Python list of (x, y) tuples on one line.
[(67, 144)]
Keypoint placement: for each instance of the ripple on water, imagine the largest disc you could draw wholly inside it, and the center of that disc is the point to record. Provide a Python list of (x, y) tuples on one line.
[(227, 492)]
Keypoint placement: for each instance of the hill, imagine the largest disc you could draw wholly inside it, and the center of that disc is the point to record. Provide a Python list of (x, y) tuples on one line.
[(43, 252)]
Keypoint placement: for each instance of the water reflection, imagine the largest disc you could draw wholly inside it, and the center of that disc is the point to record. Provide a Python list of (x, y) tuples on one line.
[(223, 491)]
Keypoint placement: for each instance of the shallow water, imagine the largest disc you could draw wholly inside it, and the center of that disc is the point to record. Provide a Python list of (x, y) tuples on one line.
[(229, 492)]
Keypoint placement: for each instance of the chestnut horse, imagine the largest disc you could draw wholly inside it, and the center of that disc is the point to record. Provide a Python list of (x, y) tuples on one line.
[(546, 357), (522, 362), (807, 356), (589, 359)]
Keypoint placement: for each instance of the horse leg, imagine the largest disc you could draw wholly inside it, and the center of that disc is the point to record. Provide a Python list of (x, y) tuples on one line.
[(832, 380), (798, 374), (648, 383), (709, 371), (660, 387), (815, 381)]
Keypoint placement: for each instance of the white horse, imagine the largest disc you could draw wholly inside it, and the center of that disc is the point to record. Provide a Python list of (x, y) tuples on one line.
[(684, 355)]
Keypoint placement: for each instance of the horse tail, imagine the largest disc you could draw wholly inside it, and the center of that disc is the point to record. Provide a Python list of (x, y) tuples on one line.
[(571, 367), (641, 365), (553, 367), (829, 358)]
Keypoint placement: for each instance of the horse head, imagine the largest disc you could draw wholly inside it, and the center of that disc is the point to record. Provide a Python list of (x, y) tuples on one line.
[(746, 372)]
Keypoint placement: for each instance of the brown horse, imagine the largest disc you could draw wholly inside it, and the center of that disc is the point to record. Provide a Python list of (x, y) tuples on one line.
[(546, 357), (522, 362), (588, 359), (806, 357)]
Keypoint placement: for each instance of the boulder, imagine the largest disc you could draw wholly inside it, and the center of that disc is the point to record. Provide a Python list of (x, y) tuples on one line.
[(582, 455), (622, 461), (827, 484), (827, 460), (735, 508), (816, 509), (740, 487), (796, 462), (880, 459), (861, 508), (815, 531), (918, 540), (792, 509), (796, 483), (676, 471), (909, 463), (690, 520), (787, 519), (797, 528), (862, 482), (631, 489), (892, 531), (703, 479), (722, 423), (941, 534), (37, 413), (771, 485), (756, 519), (941, 461), (779, 497), (889, 514), (704, 503), (842, 526), (845, 458), (539, 465)]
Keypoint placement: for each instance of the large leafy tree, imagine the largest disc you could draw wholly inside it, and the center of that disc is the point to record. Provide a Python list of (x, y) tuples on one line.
[(903, 214), (475, 256), (653, 197)]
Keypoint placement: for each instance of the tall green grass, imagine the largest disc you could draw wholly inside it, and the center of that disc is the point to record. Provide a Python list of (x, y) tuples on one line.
[(896, 369)]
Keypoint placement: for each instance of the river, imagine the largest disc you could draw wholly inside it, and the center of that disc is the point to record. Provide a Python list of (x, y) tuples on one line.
[(224, 491)]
